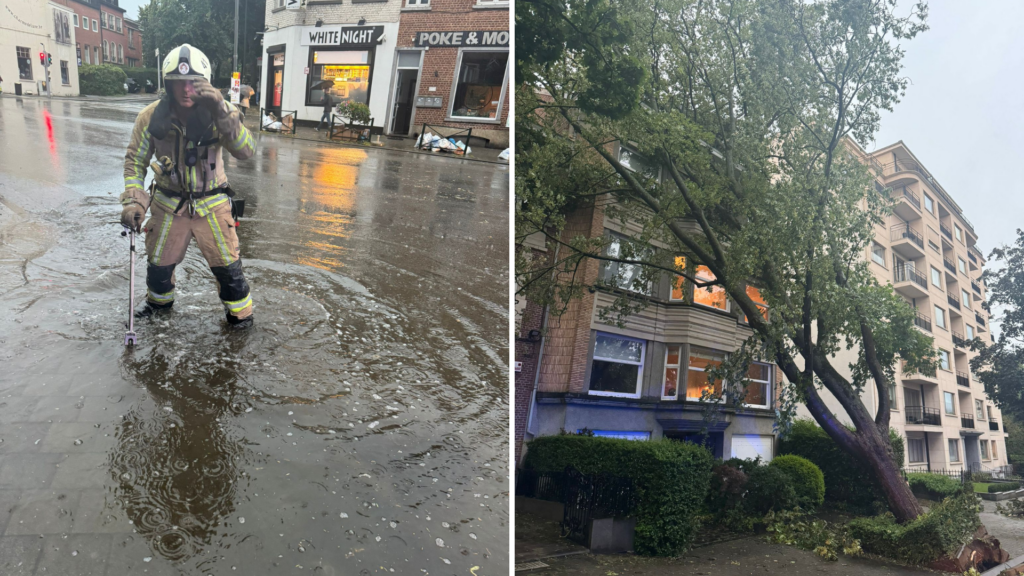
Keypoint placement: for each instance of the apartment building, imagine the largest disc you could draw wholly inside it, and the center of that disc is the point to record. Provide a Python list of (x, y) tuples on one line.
[(112, 31), (133, 44), (927, 250), (34, 29), (643, 379)]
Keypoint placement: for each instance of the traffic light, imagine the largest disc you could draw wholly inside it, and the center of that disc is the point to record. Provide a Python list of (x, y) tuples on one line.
[(42, 58), (49, 59)]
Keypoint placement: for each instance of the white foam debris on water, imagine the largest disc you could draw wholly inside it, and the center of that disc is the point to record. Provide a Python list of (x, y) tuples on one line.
[(241, 519), (439, 542), (290, 412), (446, 561), (343, 515), (393, 524), (445, 524), (147, 559), (373, 424), (378, 538), (473, 536)]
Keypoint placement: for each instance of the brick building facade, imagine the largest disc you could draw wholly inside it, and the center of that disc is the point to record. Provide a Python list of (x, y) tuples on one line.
[(87, 29), (133, 44), (112, 31), (463, 78)]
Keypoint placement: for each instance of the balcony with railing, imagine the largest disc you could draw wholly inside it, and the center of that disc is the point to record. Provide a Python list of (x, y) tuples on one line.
[(923, 322), (945, 231), (979, 319), (966, 422), (908, 281), (971, 257), (906, 241), (922, 415), (958, 340), (963, 379), (975, 287), (950, 265), (908, 204), (953, 300)]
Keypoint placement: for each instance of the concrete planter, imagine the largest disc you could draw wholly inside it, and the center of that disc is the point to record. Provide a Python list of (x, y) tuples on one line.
[(997, 496)]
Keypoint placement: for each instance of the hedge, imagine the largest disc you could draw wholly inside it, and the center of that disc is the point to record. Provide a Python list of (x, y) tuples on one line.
[(940, 532), (808, 480), (769, 488), (671, 479), (1003, 487), (101, 79), (933, 486), (846, 480)]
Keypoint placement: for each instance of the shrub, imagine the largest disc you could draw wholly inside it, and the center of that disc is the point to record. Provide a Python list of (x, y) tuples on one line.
[(808, 481), (824, 538), (101, 79), (1003, 487), (746, 465), (357, 112), (941, 532), (671, 480), (728, 483), (847, 482), (933, 486), (769, 488)]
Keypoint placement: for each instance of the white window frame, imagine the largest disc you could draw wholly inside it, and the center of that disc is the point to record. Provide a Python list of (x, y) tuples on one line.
[(936, 278), (455, 82), (954, 446), (633, 152), (677, 366), (874, 255), (616, 242), (933, 246), (767, 387), (940, 317), (639, 365), (944, 354), (94, 24), (420, 5), (923, 452), (948, 399), (75, 18), (490, 3), (690, 352), (88, 54), (929, 204)]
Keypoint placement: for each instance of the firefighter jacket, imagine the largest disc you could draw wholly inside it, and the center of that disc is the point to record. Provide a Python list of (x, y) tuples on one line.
[(189, 154)]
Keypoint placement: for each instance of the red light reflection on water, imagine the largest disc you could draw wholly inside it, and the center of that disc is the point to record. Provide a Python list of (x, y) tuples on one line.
[(49, 131)]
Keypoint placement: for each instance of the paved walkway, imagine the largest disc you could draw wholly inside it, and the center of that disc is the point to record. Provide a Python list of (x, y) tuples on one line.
[(1009, 531)]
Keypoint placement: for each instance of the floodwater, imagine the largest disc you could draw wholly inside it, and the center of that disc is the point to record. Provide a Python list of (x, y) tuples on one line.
[(360, 427)]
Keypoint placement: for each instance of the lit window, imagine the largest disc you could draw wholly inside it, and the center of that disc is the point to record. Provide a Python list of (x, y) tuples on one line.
[(759, 385), (878, 253), (341, 75), (940, 317), (958, 233), (936, 278), (617, 367), (478, 87), (944, 359), (713, 296), (678, 282), (697, 382), (962, 264), (670, 389), (755, 295), (954, 450), (928, 205)]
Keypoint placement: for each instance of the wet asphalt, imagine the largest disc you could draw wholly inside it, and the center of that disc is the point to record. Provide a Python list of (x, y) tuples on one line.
[(360, 427)]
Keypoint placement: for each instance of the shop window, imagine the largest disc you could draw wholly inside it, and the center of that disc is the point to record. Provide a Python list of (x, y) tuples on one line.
[(24, 63), (915, 450), (617, 367), (65, 76), (759, 385), (697, 382), (678, 282), (670, 389), (344, 73), (755, 295), (478, 87), (954, 450), (712, 296)]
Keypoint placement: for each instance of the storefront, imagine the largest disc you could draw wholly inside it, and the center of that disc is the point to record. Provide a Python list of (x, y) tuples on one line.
[(303, 65)]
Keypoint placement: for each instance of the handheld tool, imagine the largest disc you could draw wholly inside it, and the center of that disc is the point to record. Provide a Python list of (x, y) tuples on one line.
[(129, 336)]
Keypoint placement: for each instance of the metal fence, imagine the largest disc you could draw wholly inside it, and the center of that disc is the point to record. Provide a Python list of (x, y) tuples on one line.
[(541, 485)]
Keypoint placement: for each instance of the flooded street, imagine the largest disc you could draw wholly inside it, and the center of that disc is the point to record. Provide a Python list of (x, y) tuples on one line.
[(360, 426)]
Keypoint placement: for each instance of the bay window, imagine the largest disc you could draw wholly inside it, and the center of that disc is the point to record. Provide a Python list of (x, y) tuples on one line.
[(755, 295), (678, 282), (670, 388), (712, 296), (617, 367), (620, 274), (697, 381), (759, 385)]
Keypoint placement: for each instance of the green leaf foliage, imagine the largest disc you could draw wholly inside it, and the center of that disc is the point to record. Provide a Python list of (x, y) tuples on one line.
[(846, 482), (101, 79), (671, 479), (941, 531), (807, 479), (1003, 487), (769, 488), (933, 486), (826, 539)]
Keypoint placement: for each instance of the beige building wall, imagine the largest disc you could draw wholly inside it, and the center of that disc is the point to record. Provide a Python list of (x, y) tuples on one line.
[(33, 25), (927, 251)]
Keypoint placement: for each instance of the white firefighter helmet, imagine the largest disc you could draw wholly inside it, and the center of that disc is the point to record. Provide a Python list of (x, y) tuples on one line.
[(186, 63)]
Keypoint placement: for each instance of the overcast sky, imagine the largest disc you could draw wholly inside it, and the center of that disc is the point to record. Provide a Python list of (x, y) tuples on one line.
[(131, 8), (962, 114)]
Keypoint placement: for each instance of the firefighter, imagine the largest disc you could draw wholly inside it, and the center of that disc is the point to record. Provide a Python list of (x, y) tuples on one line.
[(183, 134)]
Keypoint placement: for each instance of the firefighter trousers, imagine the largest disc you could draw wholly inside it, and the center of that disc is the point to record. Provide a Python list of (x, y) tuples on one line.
[(169, 231)]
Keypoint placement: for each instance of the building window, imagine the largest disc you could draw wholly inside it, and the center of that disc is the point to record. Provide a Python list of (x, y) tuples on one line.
[(759, 385), (278, 3), (623, 275), (950, 403), (24, 63), (87, 52), (417, 4), (75, 19), (697, 383), (670, 389), (94, 25), (936, 279), (345, 74), (929, 205), (933, 245), (943, 359), (965, 297), (61, 27), (120, 53), (635, 162), (958, 233), (131, 38), (617, 367), (954, 450), (894, 403), (105, 52), (65, 76), (620, 434), (984, 449), (915, 450), (990, 416), (970, 331), (940, 317), (678, 282), (118, 24), (479, 85), (95, 54), (878, 253), (755, 295), (713, 296), (979, 409), (962, 265), (995, 453)]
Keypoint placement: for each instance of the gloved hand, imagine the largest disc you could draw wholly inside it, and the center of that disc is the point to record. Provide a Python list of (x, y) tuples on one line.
[(206, 95), (132, 215)]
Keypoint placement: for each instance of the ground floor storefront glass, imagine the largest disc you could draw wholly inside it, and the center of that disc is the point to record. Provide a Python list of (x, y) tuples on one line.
[(478, 88), (344, 74)]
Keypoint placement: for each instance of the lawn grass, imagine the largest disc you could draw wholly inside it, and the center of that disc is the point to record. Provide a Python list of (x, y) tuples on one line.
[(982, 487)]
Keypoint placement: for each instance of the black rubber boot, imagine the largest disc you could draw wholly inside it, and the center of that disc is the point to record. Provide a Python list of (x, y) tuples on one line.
[(151, 309), (237, 324)]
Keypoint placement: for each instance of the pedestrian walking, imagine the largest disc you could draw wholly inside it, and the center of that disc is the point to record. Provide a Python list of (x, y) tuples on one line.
[(328, 103), (190, 198)]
